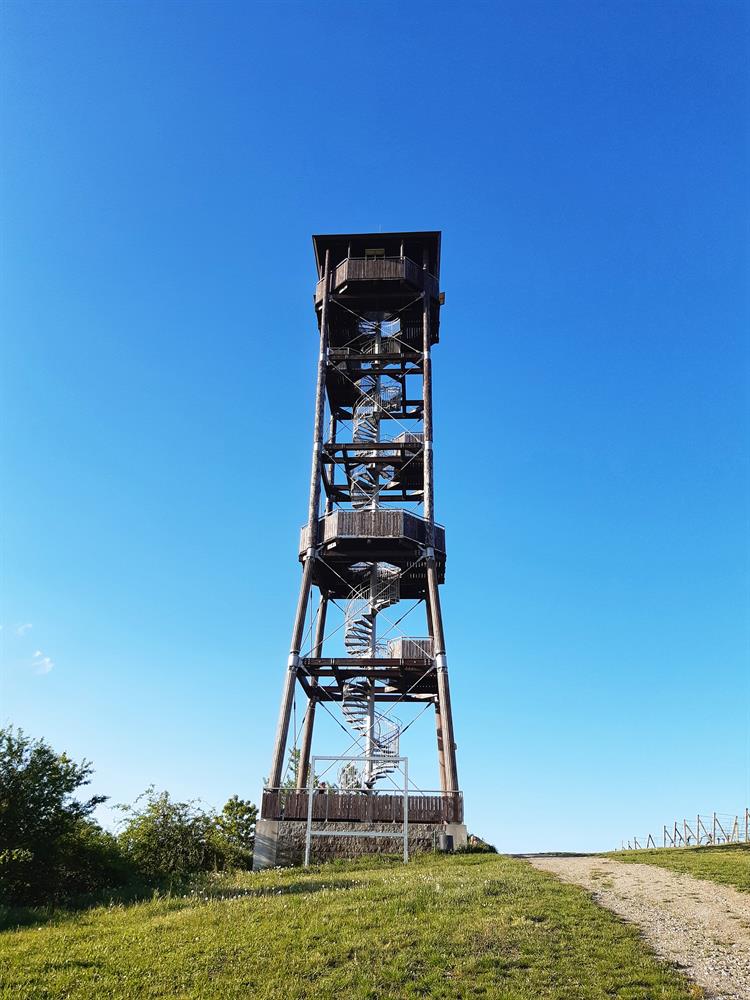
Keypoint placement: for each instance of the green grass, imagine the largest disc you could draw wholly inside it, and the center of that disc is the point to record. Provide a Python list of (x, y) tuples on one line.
[(729, 864), (466, 926)]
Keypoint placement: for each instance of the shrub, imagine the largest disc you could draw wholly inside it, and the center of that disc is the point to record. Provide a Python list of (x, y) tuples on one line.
[(166, 839), (476, 845), (169, 840), (50, 849)]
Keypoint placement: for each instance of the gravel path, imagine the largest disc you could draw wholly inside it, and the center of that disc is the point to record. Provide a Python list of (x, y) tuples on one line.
[(701, 926)]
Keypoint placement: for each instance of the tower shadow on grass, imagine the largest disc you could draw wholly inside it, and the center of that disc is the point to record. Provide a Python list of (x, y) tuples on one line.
[(17, 917)]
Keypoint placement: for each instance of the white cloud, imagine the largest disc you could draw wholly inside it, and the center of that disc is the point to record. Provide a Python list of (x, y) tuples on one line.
[(42, 664), (23, 629)]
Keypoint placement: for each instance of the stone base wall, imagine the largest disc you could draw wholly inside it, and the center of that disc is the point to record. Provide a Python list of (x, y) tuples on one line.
[(282, 842)]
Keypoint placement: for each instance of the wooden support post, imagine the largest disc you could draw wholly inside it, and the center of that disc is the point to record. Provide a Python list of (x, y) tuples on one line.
[(332, 429), (428, 618), (307, 728), (720, 828), (287, 696), (320, 400), (444, 694), (449, 772), (440, 746), (429, 487), (438, 722)]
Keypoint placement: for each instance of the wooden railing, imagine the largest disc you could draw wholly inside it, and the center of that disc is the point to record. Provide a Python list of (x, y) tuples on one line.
[(377, 523), (381, 269), (362, 807)]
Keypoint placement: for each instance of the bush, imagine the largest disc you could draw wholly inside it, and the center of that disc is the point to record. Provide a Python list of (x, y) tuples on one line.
[(169, 840), (52, 852), (476, 845), (166, 839), (50, 849)]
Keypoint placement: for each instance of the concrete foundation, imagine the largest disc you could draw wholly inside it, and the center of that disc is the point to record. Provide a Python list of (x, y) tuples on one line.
[(282, 842)]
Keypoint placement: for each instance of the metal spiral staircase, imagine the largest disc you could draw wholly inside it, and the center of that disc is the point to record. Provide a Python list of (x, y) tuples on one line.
[(379, 587), (368, 478)]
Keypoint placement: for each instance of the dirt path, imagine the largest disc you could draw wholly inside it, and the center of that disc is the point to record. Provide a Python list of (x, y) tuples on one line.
[(698, 925)]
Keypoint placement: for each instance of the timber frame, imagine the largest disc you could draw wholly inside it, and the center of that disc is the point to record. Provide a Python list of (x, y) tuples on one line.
[(399, 278)]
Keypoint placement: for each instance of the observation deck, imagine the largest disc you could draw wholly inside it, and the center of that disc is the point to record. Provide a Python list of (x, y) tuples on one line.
[(380, 277), (346, 537), (381, 272)]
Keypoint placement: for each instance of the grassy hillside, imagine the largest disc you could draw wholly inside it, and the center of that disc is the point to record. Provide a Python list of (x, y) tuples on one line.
[(729, 864), (465, 926)]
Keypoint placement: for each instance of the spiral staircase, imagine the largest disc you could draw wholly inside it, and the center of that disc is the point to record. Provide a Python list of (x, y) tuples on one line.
[(378, 589)]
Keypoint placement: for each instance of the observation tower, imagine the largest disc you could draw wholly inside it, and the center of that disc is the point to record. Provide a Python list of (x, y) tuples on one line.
[(371, 552)]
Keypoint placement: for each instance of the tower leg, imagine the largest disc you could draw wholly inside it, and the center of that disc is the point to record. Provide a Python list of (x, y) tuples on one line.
[(438, 723), (307, 728), (440, 748), (287, 696), (444, 694)]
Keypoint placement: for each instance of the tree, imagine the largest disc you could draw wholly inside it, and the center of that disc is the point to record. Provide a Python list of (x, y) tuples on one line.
[(235, 832), (50, 848), (292, 769), (289, 781)]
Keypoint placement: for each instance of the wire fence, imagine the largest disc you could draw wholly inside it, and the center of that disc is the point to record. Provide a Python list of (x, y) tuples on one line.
[(700, 830)]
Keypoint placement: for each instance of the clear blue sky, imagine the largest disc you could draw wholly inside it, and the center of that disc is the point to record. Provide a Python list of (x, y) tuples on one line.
[(163, 167)]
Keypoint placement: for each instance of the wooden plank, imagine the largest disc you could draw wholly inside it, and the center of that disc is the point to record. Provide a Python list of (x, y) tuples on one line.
[(357, 807)]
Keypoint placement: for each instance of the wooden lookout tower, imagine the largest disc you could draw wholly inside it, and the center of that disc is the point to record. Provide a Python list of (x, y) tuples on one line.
[(370, 544)]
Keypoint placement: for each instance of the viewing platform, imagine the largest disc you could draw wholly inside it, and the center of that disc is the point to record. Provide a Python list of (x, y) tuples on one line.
[(379, 276), (348, 537), (404, 672)]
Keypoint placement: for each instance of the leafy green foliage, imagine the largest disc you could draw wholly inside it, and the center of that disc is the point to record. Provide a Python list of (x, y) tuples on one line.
[(289, 782), (234, 832), (52, 851), (476, 845), (172, 840), (167, 839), (50, 848)]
